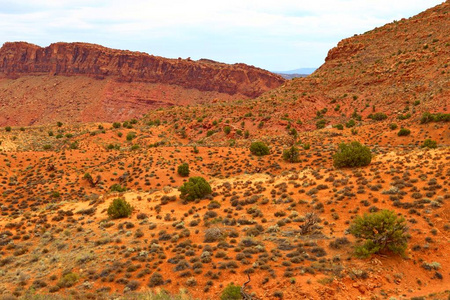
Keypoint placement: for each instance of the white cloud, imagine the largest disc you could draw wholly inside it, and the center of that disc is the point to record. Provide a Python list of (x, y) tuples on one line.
[(271, 34)]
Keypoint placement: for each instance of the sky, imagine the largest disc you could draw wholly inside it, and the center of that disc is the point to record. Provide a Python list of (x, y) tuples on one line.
[(276, 35)]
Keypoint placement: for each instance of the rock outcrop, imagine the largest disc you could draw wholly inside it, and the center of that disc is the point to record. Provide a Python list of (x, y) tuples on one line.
[(69, 59)]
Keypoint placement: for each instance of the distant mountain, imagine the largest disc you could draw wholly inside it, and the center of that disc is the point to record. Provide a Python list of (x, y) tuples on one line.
[(291, 76), (302, 71)]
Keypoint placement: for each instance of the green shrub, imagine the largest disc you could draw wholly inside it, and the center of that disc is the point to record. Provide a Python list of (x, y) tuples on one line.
[(379, 116), (68, 280), (350, 123), (306, 146), (339, 126), (259, 149), (352, 155), (73, 145), (195, 188), (393, 126), (429, 143), (130, 136), (291, 155), (404, 132), (428, 117), (116, 125), (404, 117), (119, 208), (210, 133), (321, 124), (227, 129), (118, 188), (382, 231), (183, 170), (231, 292), (8, 128), (59, 124)]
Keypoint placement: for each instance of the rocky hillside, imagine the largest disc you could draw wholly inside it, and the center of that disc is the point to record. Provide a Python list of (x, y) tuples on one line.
[(390, 69), (27, 70), (398, 72)]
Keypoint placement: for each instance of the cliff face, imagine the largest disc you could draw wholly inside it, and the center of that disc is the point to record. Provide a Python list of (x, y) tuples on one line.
[(20, 58)]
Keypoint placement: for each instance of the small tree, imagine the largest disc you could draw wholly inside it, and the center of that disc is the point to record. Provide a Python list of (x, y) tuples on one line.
[(231, 292), (259, 149), (311, 219), (195, 188), (352, 155), (381, 231), (119, 208), (291, 155), (88, 177), (183, 170)]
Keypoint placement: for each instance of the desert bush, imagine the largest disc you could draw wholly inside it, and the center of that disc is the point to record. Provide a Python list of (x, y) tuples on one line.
[(381, 231), (68, 280), (8, 128), (379, 116), (183, 170), (118, 188), (321, 123), (353, 154), (429, 143), (393, 126), (259, 149), (155, 280), (350, 123), (227, 129), (231, 292), (291, 155), (428, 117), (404, 132), (339, 126), (119, 208), (116, 125), (195, 188), (130, 136)]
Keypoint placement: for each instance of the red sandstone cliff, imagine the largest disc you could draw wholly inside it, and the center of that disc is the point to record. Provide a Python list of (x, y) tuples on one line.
[(20, 58)]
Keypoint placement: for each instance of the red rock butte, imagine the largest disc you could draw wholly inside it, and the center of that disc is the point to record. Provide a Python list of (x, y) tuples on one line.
[(68, 59)]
